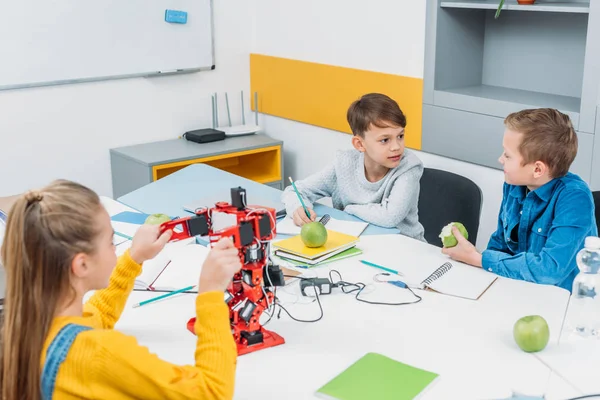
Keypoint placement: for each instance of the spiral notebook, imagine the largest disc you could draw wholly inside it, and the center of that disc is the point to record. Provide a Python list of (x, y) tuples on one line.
[(459, 280), (455, 279)]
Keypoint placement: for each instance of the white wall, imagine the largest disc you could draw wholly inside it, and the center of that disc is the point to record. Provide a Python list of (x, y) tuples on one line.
[(66, 131), (379, 35), (376, 35)]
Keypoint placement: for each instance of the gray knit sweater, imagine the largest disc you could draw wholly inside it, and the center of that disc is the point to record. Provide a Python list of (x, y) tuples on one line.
[(391, 202)]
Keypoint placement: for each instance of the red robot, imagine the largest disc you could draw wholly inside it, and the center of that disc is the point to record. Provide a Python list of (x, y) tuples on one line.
[(251, 291)]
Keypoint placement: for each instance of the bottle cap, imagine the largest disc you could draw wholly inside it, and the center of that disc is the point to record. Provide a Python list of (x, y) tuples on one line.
[(592, 242)]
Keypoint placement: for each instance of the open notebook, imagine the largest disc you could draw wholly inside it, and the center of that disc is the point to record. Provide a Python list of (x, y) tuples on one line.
[(159, 272), (178, 265), (440, 275), (452, 278), (353, 228)]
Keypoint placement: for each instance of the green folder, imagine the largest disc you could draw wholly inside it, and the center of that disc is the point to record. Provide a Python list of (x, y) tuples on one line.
[(378, 377), (351, 252)]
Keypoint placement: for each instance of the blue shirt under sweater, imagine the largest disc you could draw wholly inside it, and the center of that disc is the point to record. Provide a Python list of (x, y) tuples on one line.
[(539, 233)]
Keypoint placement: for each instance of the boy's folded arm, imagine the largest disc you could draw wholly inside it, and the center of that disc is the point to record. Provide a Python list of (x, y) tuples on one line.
[(403, 197), (573, 220), (315, 187)]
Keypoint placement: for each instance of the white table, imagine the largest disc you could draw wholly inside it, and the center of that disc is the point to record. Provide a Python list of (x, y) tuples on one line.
[(469, 343)]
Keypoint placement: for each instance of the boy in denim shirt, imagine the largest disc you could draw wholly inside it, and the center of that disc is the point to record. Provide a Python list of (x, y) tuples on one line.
[(546, 212)]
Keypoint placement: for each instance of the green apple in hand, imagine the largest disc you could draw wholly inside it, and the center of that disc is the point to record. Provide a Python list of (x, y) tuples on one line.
[(531, 333), (157, 219), (447, 236)]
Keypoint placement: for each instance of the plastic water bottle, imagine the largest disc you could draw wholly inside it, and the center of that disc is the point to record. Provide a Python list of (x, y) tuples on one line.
[(584, 308)]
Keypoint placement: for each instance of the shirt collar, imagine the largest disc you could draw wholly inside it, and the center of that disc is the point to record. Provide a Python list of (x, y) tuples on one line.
[(544, 192)]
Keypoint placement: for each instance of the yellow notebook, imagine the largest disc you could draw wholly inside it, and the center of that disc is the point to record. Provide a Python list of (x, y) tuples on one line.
[(335, 241)]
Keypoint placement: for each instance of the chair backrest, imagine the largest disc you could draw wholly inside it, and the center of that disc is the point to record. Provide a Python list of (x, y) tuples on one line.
[(447, 197), (596, 196)]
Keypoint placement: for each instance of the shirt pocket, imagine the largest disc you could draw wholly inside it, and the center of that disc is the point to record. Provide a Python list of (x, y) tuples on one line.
[(505, 221), (537, 238)]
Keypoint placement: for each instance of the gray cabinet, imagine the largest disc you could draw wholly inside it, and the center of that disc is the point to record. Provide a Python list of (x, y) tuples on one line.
[(255, 157), (478, 69)]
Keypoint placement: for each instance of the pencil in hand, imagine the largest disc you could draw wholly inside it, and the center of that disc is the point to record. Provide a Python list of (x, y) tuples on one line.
[(300, 198)]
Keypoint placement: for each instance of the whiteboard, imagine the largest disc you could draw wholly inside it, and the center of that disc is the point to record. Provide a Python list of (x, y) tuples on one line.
[(46, 42)]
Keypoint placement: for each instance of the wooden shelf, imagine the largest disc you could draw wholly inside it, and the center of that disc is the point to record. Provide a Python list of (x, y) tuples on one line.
[(512, 5), (260, 165)]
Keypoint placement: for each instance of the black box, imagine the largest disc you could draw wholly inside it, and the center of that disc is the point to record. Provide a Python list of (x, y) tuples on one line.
[(204, 135)]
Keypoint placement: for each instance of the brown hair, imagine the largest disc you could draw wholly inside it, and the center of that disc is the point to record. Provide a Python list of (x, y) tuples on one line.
[(548, 136), (374, 109), (44, 232)]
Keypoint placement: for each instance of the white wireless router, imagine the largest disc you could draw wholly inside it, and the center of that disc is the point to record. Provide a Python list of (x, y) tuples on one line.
[(235, 130)]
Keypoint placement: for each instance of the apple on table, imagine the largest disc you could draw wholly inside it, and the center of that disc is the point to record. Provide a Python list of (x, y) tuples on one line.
[(531, 333)]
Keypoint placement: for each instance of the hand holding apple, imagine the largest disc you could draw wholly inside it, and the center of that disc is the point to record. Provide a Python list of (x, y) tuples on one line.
[(157, 219)]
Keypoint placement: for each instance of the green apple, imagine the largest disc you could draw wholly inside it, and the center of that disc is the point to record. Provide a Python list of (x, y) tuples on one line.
[(447, 236), (157, 219), (531, 333), (313, 234)]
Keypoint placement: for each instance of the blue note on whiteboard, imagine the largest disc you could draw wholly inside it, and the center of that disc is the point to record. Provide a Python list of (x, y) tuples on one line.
[(176, 16)]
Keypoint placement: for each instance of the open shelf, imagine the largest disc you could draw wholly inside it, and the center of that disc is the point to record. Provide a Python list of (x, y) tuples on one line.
[(512, 5), (517, 96), (260, 165), (500, 101), (521, 60), (479, 69)]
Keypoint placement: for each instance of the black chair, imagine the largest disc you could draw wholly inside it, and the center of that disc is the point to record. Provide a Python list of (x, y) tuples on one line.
[(447, 197), (596, 196)]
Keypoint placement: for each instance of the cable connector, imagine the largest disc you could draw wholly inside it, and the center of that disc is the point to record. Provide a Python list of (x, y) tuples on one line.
[(322, 286)]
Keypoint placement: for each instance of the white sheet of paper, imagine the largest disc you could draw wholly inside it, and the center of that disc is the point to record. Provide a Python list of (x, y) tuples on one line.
[(153, 267), (114, 207), (184, 268), (354, 228)]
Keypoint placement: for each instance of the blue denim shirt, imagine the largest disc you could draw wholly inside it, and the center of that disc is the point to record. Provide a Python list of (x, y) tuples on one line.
[(554, 221)]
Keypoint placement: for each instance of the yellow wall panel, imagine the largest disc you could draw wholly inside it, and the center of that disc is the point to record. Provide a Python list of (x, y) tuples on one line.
[(320, 94)]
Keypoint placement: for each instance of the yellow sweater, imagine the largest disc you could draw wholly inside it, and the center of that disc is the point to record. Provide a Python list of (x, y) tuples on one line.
[(106, 364)]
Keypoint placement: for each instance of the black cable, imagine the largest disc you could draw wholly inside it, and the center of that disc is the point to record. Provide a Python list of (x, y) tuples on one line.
[(297, 277), (587, 396), (273, 305), (358, 287), (347, 288), (290, 315), (301, 320)]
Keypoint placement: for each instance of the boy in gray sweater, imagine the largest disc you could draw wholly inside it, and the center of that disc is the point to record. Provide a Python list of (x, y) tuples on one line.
[(377, 182)]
